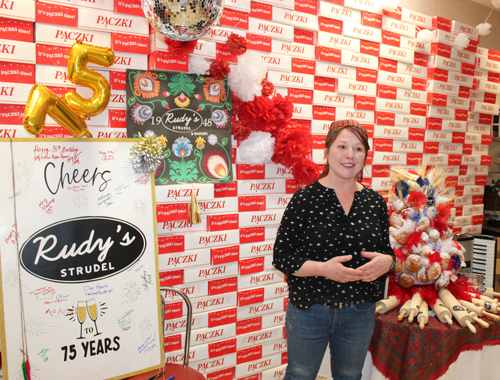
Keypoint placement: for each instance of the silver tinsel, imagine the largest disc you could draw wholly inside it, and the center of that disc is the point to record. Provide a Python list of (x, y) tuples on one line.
[(147, 153)]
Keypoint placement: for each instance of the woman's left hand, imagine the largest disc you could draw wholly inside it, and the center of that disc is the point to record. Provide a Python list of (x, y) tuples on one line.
[(379, 264)]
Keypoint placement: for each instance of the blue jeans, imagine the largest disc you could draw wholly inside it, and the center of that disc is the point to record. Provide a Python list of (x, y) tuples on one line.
[(348, 331)]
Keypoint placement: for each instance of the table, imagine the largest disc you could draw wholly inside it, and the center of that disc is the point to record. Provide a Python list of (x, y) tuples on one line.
[(402, 351)]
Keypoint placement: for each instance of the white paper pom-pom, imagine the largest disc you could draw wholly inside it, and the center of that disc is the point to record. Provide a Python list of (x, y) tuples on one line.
[(389, 5), (461, 42), (245, 79), (425, 36), (496, 3), (484, 28), (257, 149), (198, 65)]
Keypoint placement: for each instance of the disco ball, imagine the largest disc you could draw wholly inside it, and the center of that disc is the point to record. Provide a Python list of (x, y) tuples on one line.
[(183, 20)]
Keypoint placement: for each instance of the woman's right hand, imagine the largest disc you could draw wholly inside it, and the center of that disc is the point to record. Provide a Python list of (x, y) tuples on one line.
[(332, 269), (336, 271)]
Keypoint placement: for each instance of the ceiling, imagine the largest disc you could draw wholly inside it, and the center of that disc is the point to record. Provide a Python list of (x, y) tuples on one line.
[(486, 3)]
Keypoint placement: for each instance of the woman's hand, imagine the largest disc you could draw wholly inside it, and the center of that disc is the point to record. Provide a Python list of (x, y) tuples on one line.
[(336, 271), (332, 269), (379, 264)]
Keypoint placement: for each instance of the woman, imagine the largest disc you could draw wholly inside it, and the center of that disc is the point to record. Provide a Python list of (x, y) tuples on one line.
[(333, 245)]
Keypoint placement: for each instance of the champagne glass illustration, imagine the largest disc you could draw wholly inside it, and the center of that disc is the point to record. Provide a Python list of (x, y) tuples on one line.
[(92, 309), (81, 315)]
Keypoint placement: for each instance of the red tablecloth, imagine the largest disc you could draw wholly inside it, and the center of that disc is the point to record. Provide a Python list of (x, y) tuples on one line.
[(402, 351)]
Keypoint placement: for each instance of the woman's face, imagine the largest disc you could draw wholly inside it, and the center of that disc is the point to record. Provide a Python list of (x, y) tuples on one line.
[(346, 155)]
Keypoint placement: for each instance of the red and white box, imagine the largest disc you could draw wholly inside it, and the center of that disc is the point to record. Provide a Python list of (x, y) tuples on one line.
[(392, 158), (16, 30), (166, 61), (11, 72), (294, 18), (112, 22), (359, 60), (369, 6), (346, 86), (14, 93), (260, 279), (221, 33), (410, 121), (295, 80), (401, 27), (261, 218), (397, 53), (18, 10), (488, 87), (399, 80), (258, 365), (389, 145), (352, 29), (413, 70), (17, 51), (336, 11), (462, 56), (259, 337), (261, 187), (278, 62), (440, 62), (438, 136), (487, 108), (479, 128), (442, 87), (335, 70), (333, 99), (415, 45), (416, 18), (470, 31), (198, 240), (98, 4), (303, 111), (270, 29), (389, 105), (293, 49), (338, 42), (256, 249), (215, 364), (14, 131), (66, 36), (365, 117)]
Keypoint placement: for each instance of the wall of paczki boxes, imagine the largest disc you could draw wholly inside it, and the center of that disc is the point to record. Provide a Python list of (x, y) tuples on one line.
[(335, 60)]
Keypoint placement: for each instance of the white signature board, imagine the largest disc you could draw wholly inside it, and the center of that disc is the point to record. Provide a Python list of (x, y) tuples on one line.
[(78, 250)]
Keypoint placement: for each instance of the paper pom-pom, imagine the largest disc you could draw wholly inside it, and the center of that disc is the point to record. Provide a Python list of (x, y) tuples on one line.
[(180, 48), (198, 65), (239, 130), (259, 114), (306, 172), (425, 36), (461, 42), (147, 153), (236, 44), (257, 149), (236, 103), (496, 3), (245, 79), (219, 69), (267, 88), (293, 143), (389, 5), (484, 28), (283, 108)]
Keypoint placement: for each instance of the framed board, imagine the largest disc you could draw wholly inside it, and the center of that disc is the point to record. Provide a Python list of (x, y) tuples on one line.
[(80, 291), (192, 114)]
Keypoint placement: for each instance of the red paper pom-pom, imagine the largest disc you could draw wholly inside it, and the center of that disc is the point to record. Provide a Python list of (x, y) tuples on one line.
[(414, 239), (219, 69), (305, 172), (240, 131), (293, 144), (180, 48), (283, 108), (267, 88), (236, 45), (259, 114), (236, 103)]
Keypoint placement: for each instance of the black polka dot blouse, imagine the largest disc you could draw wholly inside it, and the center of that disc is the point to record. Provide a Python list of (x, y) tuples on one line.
[(315, 227)]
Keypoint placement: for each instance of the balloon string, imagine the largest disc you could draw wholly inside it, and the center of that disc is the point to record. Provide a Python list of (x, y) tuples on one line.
[(24, 349), (488, 16)]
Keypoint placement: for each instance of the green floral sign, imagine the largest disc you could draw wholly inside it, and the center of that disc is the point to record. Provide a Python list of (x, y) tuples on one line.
[(192, 115)]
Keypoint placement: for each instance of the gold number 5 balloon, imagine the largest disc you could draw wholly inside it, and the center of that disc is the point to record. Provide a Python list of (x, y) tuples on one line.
[(79, 55), (72, 111)]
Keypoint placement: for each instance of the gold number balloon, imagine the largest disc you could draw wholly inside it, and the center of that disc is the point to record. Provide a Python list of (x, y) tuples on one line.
[(42, 101), (79, 55)]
